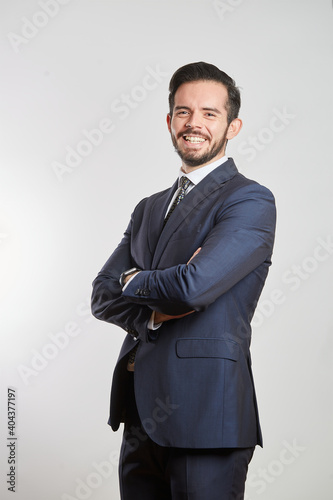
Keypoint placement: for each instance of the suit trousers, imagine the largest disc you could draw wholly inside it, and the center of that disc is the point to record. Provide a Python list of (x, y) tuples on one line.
[(148, 471)]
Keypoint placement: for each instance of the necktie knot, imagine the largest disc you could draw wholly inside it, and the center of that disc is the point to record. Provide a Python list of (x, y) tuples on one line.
[(184, 182)]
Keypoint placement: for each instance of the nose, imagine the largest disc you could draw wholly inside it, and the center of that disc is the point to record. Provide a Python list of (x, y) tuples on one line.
[(194, 121)]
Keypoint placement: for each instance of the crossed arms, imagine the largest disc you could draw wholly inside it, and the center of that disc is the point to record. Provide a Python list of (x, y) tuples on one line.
[(239, 242)]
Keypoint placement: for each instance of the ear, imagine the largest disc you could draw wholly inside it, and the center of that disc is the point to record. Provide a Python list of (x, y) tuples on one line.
[(169, 122), (234, 128)]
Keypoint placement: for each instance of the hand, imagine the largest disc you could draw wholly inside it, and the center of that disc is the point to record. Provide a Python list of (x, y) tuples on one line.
[(129, 277), (160, 317), (195, 253)]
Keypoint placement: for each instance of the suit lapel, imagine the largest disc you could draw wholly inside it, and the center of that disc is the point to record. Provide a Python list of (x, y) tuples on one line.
[(156, 216), (196, 196)]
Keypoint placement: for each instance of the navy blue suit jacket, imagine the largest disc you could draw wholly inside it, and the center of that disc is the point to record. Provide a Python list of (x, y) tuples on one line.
[(193, 380)]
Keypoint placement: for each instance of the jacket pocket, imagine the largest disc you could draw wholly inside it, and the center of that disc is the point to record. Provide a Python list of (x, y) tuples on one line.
[(207, 348)]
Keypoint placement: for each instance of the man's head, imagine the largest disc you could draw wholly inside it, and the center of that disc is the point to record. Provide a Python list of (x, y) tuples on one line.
[(194, 72), (204, 104)]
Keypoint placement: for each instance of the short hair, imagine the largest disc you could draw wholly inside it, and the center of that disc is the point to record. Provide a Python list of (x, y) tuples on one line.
[(194, 72)]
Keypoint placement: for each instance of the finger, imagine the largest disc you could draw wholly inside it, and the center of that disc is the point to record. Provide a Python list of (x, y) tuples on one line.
[(195, 253)]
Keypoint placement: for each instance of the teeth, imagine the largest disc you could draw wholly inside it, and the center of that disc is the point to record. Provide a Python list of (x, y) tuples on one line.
[(193, 139)]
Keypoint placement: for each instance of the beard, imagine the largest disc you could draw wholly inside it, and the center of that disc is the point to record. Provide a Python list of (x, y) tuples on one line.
[(193, 158)]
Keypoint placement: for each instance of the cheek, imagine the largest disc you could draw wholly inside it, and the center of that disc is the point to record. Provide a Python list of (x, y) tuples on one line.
[(219, 131), (175, 131)]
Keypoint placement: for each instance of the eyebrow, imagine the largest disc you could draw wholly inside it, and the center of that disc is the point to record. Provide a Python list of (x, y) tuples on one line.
[(215, 110)]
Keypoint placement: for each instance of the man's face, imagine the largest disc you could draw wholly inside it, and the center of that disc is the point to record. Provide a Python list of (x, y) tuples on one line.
[(198, 126)]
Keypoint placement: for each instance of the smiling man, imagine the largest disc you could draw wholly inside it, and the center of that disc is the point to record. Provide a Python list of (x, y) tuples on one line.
[(184, 283), (198, 123)]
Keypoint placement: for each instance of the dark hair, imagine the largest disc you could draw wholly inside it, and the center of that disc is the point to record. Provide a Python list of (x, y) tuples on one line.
[(204, 71)]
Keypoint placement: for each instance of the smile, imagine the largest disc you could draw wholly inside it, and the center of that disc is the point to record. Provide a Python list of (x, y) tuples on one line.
[(194, 139)]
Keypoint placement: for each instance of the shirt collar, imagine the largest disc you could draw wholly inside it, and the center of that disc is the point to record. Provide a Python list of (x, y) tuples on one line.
[(197, 175)]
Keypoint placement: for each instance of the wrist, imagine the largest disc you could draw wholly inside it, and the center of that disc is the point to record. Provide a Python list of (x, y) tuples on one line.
[(126, 275)]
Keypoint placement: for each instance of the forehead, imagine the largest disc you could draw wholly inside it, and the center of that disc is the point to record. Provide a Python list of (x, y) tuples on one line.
[(201, 93)]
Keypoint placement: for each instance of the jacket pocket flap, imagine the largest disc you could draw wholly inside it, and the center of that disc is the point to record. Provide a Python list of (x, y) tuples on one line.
[(207, 348)]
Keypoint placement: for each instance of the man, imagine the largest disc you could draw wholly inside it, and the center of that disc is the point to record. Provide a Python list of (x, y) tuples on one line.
[(184, 283)]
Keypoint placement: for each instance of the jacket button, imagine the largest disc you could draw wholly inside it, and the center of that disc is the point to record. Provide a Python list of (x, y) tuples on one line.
[(137, 291), (145, 292)]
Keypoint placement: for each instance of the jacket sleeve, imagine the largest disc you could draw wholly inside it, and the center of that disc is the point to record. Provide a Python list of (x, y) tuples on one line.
[(239, 242), (108, 303)]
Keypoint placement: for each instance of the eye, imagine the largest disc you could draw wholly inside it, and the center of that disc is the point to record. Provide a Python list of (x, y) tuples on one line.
[(182, 113)]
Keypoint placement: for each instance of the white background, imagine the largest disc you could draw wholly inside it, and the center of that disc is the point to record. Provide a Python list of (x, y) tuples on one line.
[(65, 68)]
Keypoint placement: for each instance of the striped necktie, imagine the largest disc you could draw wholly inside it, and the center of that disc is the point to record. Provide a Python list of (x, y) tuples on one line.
[(184, 184)]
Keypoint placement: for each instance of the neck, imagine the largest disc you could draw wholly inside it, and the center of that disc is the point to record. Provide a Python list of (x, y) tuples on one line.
[(187, 169)]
